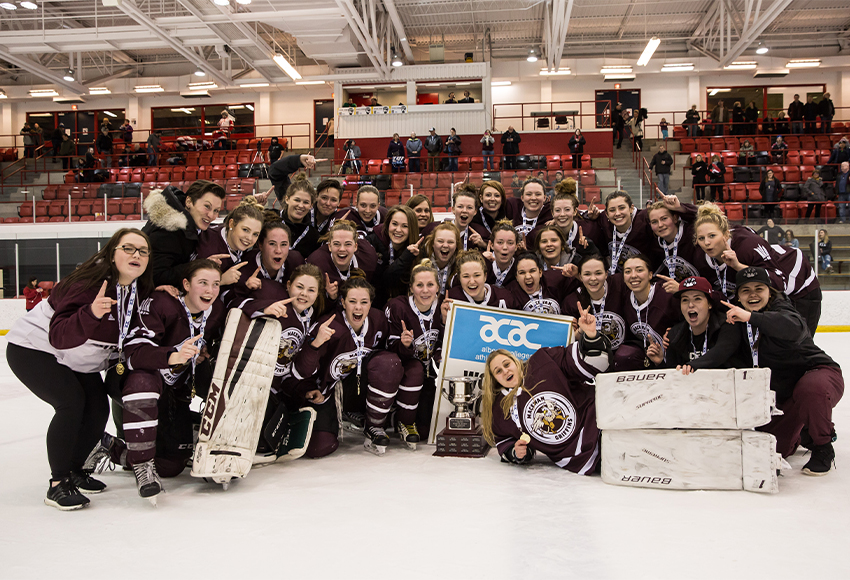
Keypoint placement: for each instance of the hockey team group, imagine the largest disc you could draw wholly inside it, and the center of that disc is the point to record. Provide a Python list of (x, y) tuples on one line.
[(346, 309)]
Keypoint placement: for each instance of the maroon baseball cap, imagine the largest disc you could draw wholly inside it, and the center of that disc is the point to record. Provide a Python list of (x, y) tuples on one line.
[(700, 285)]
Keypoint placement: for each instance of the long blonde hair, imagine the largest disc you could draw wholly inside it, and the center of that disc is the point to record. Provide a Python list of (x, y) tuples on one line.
[(710, 213), (490, 389)]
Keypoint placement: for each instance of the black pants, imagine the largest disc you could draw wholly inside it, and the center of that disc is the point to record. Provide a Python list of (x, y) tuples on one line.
[(79, 399), (813, 206), (577, 161), (509, 162), (809, 307), (638, 145)]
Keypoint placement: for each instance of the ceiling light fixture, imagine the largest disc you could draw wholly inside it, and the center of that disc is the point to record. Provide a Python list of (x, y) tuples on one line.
[(500, 83), (110, 114), (202, 86), (650, 49), (243, 1), (802, 63), (615, 70), (715, 91), (69, 75), (29, 5), (149, 89), (253, 85), (532, 56), (286, 67), (99, 91), (3, 94), (310, 82), (620, 77), (397, 58), (249, 107), (677, 66), (222, 2), (560, 72), (200, 73), (8, 6), (43, 93), (762, 49), (742, 65)]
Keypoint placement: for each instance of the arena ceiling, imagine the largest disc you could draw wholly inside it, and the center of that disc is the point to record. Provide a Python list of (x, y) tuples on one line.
[(106, 39)]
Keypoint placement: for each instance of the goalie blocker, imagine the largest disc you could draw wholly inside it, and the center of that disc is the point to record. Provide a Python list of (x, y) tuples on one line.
[(691, 459)]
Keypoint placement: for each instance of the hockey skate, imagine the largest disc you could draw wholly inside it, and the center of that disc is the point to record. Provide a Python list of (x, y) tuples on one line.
[(100, 458), (147, 480), (376, 440), (408, 435), (353, 421)]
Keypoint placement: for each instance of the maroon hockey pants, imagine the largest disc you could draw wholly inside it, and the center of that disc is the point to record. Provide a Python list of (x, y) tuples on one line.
[(409, 390), (809, 406), (140, 398), (384, 371)]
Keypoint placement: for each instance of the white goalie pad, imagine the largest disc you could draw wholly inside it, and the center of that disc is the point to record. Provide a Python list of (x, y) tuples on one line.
[(233, 413), (691, 459), (667, 399)]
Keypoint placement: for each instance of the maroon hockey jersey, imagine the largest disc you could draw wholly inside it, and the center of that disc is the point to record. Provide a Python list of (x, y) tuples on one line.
[(239, 293), (427, 332), (515, 211), (638, 240), (365, 258), (494, 296), (362, 227), (213, 241), (652, 318), (608, 311)]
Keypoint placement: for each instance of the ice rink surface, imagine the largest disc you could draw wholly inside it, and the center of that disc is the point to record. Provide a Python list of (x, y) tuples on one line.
[(410, 515)]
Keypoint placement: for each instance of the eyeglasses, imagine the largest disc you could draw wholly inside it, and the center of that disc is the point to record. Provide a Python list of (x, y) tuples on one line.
[(130, 250)]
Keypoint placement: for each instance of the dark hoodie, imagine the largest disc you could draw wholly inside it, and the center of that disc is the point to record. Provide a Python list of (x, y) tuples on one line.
[(684, 348), (275, 150), (173, 235)]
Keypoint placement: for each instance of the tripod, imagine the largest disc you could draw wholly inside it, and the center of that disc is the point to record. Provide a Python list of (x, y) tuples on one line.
[(264, 170), (349, 158)]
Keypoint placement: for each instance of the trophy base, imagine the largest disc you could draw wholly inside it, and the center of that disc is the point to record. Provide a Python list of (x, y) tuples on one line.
[(452, 443)]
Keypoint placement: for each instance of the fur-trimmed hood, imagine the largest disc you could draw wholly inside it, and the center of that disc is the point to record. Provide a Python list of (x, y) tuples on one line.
[(165, 210)]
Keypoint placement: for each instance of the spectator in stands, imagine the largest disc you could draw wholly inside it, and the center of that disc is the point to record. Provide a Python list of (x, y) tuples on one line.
[(840, 152), (576, 144), (790, 241), (795, 113), (414, 150), (350, 103), (451, 100), (88, 165), (395, 153), (770, 189), (32, 293), (810, 114), (352, 160), (664, 128), (780, 125), (280, 171), (813, 190), (751, 116), (746, 151), (779, 149), (516, 185), (487, 146), (510, 148), (373, 102), (771, 232), (636, 127), (452, 149), (559, 177), (692, 120), (737, 119), (716, 171), (699, 171), (619, 124), (275, 150), (719, 117), (827, 111), (842, 187), (138, 159), (433, 145), (824, 251), (126, 131), (66, 150), (105, 123), (38, 135), (466, 98), (662, 162), (56, 138), (153, 148), (29, 140)]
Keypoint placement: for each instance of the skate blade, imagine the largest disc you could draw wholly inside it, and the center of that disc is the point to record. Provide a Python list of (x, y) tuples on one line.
[(411, 446), (378, 450), (352, 427), (152, 499)]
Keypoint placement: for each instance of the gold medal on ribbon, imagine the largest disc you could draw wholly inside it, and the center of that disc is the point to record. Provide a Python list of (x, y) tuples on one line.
[(119, 368)]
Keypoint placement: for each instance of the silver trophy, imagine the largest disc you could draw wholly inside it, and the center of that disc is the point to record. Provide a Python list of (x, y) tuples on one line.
[(462, 392)]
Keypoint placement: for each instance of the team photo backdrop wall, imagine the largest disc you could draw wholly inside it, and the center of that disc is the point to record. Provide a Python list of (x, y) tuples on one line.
[(473, 332)]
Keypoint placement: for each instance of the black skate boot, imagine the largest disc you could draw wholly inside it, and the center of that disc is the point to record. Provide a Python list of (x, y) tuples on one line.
[(65, 496), (408, 434), (821, 460), (376, 440), (86, 483), (100, 457), (147, 480), (353, 421)]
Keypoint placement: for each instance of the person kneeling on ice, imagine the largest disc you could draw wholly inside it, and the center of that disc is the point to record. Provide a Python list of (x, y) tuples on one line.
[(164, 356), (547, 404), (351, 347), (807, 382)]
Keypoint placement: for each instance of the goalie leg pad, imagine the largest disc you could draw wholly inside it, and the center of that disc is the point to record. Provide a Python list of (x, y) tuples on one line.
[(667, 399), (298, 432), (690, 459)]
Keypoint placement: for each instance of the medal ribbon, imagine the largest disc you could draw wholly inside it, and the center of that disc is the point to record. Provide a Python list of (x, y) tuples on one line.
[(359, 342), (192, 326), (619, 243), (124, 315), (501, 274), (671, 250), (753, 339)]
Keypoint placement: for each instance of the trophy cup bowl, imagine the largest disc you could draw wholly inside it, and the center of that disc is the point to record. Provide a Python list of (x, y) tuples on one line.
[(461, 437)]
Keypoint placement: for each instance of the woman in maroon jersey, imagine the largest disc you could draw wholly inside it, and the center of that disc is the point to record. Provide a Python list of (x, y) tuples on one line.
[(227, 245), (576, 231), (532, 290), (165, 352), (464, 208), (491, 208), (672, 224), (649, 311), (60, 347), (500, 254), (271, 264), (328, 196), (350, 344), (342, 254), (547, 404), (367, 213), (297, 204), (730, 250), (421, 206), (530, 210), (442, 247), (625, 229), (470, 269), (419, 318), (397, 246)]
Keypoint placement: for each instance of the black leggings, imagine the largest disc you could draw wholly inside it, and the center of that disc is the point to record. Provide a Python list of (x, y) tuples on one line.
[(79, 399)]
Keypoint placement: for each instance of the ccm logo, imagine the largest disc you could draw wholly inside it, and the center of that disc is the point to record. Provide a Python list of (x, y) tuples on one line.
[(516, 336)]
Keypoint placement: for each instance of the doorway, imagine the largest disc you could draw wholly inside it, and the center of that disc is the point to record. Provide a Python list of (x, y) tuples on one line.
[(323, 121), (630, 99)]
